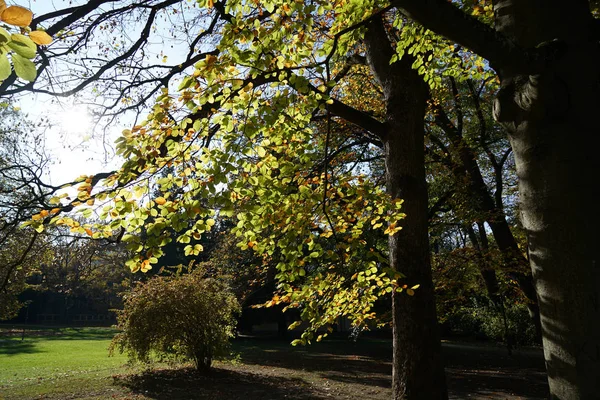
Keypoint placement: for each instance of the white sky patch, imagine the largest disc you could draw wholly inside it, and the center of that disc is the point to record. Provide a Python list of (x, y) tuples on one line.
[(74, 120)]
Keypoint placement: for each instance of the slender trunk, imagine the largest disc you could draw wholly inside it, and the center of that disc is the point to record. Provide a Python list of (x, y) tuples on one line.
[(417, 366), (489, 276), (515, 264), (555, 139), (490, 279)]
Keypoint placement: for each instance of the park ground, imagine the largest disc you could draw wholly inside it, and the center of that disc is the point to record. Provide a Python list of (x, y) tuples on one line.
[(72, 363)]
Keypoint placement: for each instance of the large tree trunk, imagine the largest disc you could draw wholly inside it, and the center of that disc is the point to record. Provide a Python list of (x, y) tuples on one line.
[(417, 366), (555, 137)]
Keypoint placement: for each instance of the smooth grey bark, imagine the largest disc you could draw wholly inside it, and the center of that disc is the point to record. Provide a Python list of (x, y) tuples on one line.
[(417, 364), (552, 127)]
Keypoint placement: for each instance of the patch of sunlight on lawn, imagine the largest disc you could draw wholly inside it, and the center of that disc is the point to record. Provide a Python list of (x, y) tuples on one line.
[(64, 362)]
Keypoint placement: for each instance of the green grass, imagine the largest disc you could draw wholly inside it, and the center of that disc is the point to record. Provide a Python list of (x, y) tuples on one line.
[(73, 363), (65, 361)]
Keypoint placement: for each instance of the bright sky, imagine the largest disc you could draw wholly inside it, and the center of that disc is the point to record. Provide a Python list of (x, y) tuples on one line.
[(71, 142), (75, 144)]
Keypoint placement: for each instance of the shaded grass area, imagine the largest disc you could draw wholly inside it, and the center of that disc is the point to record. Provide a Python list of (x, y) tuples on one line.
[(72, 363)]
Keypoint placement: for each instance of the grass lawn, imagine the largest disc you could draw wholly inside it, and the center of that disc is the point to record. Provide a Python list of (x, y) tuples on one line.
[(73, 363), (58, 362)]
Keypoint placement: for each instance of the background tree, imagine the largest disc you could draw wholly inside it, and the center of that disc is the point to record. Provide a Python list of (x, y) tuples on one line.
[(22, 165)]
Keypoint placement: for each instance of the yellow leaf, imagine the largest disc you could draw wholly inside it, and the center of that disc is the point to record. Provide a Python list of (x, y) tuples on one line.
[(36, 217), (210, 59), (145, 266), (410, 292), (210, 3), (89, 231), (44, 213), (90, 202), (17, 15), (160, 201), (2, 6), (40, 37)]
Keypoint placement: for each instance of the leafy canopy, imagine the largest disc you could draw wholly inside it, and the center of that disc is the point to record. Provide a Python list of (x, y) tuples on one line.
[(242, 139)]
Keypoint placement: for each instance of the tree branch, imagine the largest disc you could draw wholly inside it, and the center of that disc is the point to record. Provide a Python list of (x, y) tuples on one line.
[(504, 54)]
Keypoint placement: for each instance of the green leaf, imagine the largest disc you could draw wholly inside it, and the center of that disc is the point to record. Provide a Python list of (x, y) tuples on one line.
[(5, 69), (22, 45), (24, 68), (4, 36)]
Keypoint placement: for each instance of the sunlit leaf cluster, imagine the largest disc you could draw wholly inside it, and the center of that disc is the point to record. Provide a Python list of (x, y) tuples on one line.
[(18, 41)]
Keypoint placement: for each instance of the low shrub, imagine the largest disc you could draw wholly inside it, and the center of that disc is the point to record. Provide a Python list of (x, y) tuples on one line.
[(484, 320), (189, 317)]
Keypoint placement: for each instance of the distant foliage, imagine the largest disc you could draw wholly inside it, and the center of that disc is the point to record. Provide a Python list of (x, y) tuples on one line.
[(190, 317)]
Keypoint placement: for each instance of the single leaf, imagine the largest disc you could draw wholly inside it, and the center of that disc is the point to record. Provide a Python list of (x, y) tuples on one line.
[(24, 68), (160, 201), (22, 45), (4, 36), (17, 15), (5, 69), (2, 6), (40, 37)]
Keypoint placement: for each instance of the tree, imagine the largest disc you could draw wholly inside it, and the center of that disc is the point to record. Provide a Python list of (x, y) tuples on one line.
[(456, 144), (22, 163), (276, 45), (190, 316), (545, 56), (269, 170)]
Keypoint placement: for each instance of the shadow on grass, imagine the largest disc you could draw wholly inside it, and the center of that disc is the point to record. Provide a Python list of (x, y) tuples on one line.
[(473, 369), (365, 362), (85, 334), (17, 347), (61, 333), (489, 372), (186, 384)]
